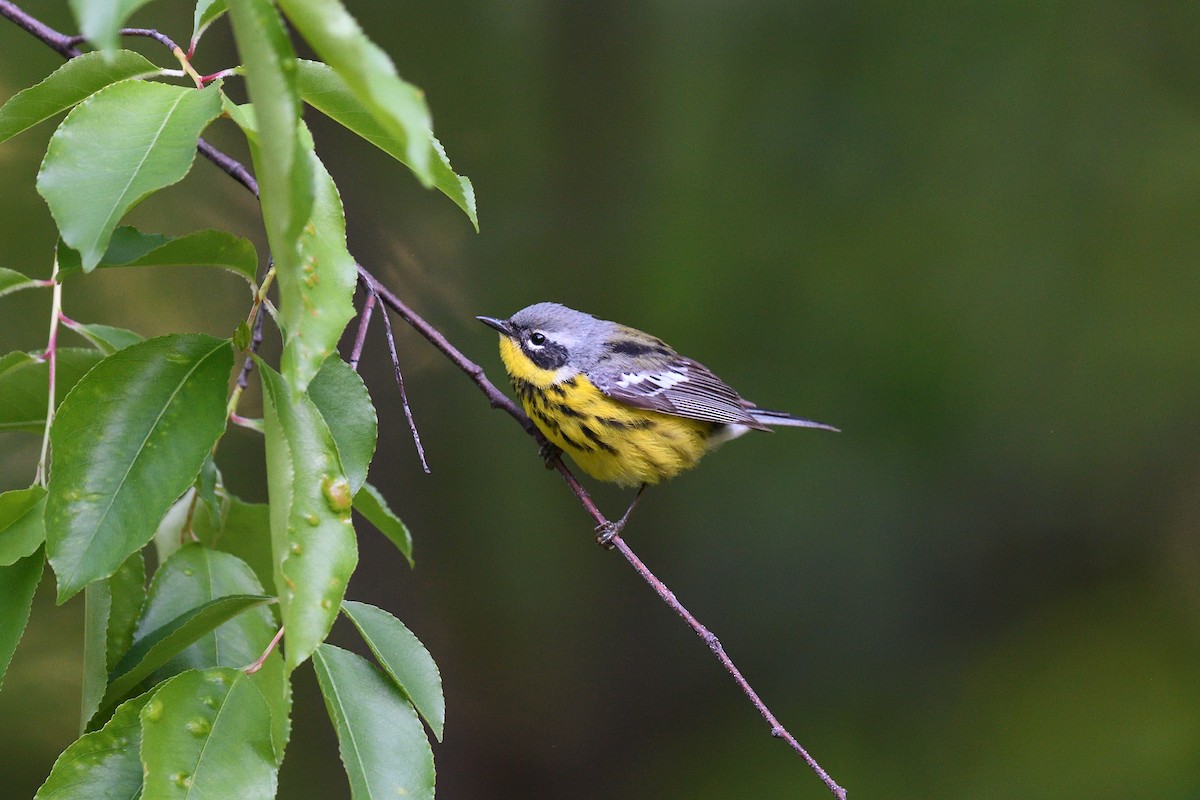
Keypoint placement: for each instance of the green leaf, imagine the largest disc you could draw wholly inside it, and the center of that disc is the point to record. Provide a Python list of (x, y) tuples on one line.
[(196, 575), (130, 247), (110, 613), (324, 90), (10, 361), (272, 680), (316, 300), (118, 146), (13, 281), (21, 527), (207, 12), (207, 735), (398, 106), (312, 537), (404, 658), (169, 536), (68, 85), (127, 587), (382, 743), (127, 441), (159, 646), (24, 384), (99, 20), (244, 530), (371, 504), (345, 405), (282, 165), (102, 764), (206, 486), (18, 582), (105, 338)]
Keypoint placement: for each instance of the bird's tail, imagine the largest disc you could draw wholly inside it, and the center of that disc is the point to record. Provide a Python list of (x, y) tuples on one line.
[(766, 417)]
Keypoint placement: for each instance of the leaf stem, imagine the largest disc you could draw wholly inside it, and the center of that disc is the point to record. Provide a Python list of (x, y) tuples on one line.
[(51, 357), (258, 662)]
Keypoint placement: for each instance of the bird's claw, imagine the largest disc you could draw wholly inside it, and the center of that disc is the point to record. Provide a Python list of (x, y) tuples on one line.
[(607, 531), (550, 453)]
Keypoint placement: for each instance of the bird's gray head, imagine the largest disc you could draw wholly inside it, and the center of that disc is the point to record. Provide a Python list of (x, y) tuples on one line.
[(554, 336)]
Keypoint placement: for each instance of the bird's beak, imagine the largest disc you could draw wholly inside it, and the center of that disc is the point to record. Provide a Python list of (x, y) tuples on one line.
[(504, 326)]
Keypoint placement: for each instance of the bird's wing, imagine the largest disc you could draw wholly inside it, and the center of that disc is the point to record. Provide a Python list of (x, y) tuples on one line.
[(678, 386)]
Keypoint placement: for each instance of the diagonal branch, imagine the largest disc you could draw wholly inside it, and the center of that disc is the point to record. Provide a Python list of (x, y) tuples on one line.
[(65, 46)]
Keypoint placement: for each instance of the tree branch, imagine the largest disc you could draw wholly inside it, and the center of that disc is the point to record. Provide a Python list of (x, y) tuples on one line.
[(65, 46)]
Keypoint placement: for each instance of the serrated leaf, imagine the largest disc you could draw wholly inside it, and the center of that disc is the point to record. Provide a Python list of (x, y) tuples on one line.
[(282, 165), (130, 247), (104, 763), (206, 735), (110, 612), (18, 582), (127, 441), (207, 12), (345, 405), (68, 85), (244, 530), (127, 586), (105, 338), (10, 361), (404, 658), (382, 743), (21, 527), (191, 577), (24, 384), (99, 20), (397, 105), (13, 281), (159, 646), (323, 89), (115, 148), (371, 504), (312, 537)]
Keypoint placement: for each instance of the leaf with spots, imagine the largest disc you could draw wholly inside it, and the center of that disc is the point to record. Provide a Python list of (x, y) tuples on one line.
[(206, 735), (312, 537), (316, 299)]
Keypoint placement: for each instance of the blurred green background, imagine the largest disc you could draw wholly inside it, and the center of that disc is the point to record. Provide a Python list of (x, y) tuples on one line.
[(966, 233)]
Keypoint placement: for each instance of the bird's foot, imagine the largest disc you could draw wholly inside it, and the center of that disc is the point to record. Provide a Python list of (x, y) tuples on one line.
[(607, 531), (550, 452)]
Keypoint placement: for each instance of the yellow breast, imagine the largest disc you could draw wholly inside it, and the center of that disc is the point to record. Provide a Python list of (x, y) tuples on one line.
[(609, 440)]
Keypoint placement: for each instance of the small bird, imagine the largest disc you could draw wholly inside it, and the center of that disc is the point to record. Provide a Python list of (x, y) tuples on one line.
[(625, 406)]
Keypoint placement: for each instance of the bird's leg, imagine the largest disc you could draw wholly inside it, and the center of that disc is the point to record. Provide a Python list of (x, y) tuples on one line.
[(549, 452), (607, 531)]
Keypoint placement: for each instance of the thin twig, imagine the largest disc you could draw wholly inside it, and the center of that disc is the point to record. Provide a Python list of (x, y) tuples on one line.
[(150, 33), (364, 322), (256, 337), (412, 425), (65, 46), (61, 43)]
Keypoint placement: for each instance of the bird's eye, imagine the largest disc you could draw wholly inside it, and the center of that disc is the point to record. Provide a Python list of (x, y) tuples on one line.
[(537, 338)]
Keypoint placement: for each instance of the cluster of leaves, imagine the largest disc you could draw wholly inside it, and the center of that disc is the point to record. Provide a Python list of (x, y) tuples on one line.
[(183, 691)]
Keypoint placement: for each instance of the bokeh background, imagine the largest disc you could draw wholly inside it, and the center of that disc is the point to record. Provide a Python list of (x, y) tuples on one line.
[(966, 233)]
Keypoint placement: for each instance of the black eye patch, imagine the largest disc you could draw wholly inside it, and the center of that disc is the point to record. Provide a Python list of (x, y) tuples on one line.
[(550, 356)]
